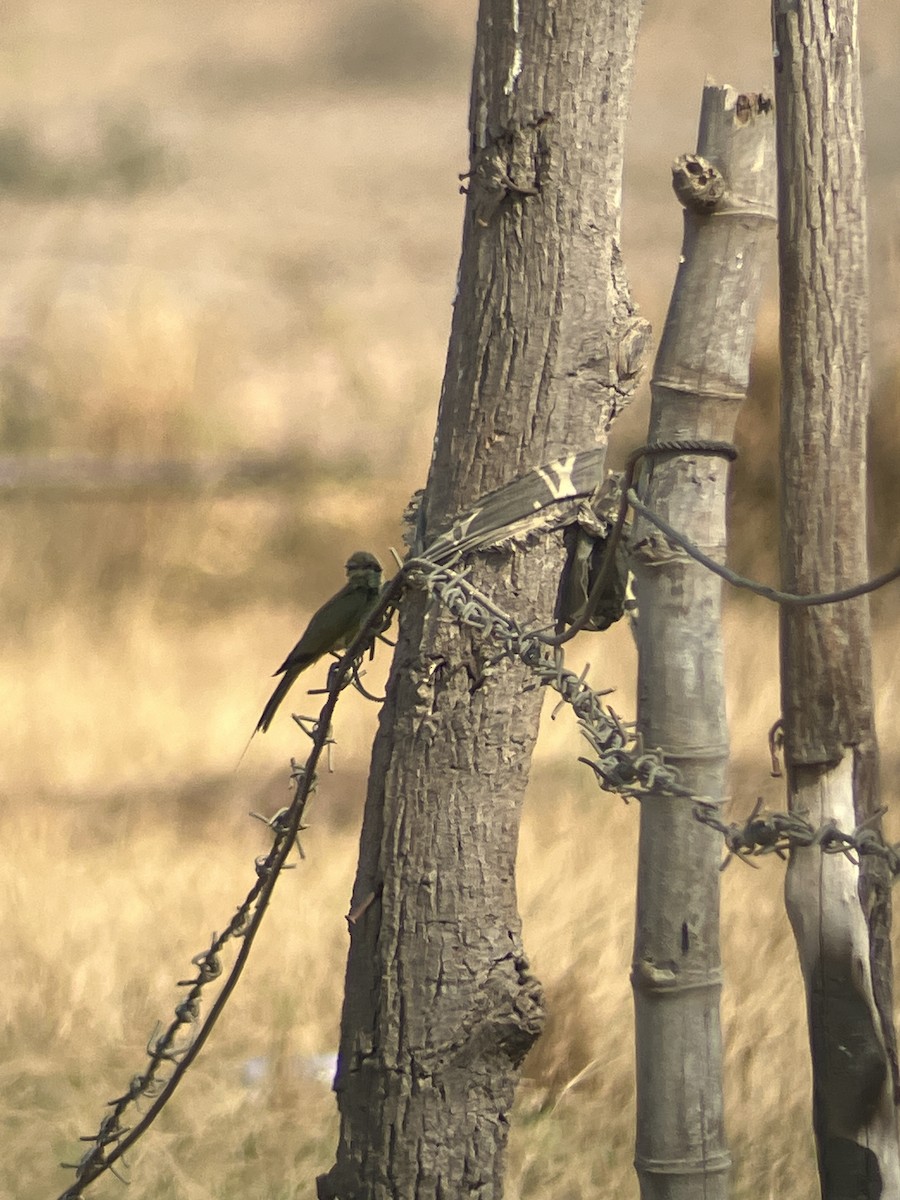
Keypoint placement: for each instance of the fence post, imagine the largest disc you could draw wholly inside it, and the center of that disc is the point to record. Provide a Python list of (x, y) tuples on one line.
[(699, 380), (840, 912), (440, 1003)]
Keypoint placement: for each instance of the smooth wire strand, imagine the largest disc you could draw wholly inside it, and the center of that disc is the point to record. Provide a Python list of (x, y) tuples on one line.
[(788, 599)]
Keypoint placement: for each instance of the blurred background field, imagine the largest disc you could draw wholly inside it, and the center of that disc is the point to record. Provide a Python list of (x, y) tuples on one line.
[(233, 230)]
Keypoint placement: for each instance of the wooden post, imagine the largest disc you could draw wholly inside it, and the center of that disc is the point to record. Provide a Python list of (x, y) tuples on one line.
[(440, 1003), (840, 914), (699, 382)]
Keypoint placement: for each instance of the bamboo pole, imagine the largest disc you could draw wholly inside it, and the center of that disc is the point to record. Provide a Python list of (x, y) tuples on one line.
[(699, 382)]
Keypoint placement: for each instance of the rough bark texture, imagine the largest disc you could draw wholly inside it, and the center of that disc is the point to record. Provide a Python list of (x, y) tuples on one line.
[(699, 381), (830, 744), (440, 1006)]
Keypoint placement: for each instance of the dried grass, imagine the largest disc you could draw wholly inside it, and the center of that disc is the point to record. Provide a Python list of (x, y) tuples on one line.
[(289, 288)]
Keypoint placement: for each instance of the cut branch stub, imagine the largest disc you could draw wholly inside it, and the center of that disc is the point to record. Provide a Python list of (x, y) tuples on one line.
[(697, 183)]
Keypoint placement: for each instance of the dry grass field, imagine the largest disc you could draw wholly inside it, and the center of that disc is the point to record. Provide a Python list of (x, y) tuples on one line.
[(232, 229)]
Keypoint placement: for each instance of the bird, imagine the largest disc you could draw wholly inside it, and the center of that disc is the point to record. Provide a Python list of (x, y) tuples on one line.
[(332, 627)]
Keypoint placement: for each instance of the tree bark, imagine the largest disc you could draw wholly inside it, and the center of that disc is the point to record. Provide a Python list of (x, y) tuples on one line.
[(840, 914), (699, 381), (440, 1004)]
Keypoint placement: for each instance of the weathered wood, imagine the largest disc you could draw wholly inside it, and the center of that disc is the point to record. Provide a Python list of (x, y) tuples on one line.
[(699, 381), (830, 744), (440, 1004)]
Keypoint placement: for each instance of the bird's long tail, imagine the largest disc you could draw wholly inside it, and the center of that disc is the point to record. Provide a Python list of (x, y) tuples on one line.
[(284, 686), (245, 749)]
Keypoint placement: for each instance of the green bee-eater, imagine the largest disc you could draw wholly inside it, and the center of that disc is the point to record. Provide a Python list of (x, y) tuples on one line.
[(333, 627)]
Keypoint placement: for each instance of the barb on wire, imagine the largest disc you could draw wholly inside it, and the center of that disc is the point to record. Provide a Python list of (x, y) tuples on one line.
[(171, 1050), (779, 833)]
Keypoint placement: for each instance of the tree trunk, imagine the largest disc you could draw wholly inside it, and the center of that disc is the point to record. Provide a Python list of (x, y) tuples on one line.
[(840, 914), (699, 382), (440, 1005)]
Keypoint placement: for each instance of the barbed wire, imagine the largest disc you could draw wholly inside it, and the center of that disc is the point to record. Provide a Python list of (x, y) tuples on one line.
[(176, 1047), (179, 1043), (620, 762), (778, 833)]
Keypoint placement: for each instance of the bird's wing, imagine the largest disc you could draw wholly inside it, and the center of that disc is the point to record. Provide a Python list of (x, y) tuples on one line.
[(327, 626)]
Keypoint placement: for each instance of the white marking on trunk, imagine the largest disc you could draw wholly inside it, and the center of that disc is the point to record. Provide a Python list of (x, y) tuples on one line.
[(515, 69)]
